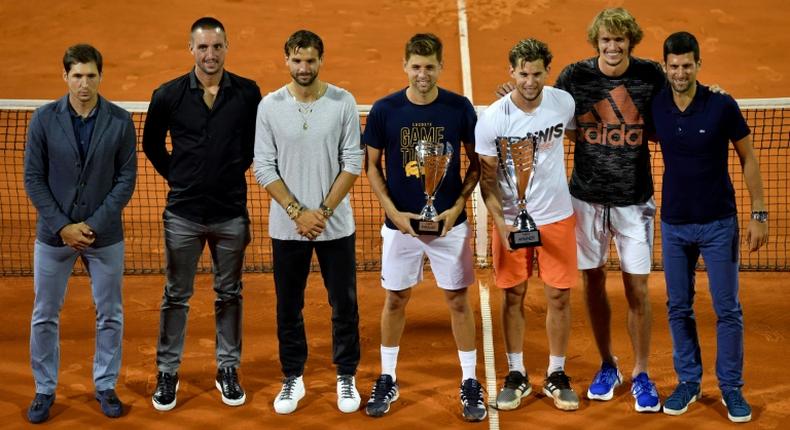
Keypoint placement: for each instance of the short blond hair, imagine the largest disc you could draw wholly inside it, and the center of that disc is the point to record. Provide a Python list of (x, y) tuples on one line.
[(615, 20)]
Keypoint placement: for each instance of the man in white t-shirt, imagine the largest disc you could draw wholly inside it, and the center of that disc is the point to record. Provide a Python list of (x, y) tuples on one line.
[(541, 113)]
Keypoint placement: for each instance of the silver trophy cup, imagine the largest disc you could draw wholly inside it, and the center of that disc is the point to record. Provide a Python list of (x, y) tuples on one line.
[(517, 159), (433, 159)]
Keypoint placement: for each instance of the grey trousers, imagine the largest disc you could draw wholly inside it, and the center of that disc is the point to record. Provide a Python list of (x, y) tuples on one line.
[(52, 266), (184, 243)]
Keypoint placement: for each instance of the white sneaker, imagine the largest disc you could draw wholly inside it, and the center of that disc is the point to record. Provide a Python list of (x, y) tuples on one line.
[(347, 395), (289, 396)]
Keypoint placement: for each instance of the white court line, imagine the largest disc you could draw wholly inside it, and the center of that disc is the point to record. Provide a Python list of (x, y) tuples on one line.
[(481, 230), (463, 35), (488, 355), (478, 206)]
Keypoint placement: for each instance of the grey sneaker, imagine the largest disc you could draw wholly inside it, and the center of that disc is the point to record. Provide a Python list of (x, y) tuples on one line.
[(516, 386), (558, 386)]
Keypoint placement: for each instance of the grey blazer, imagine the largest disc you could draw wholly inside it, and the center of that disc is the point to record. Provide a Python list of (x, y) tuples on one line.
[(65, 190)]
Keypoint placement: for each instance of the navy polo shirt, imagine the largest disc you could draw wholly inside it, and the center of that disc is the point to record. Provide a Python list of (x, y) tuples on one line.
[(83, 128), (695, 145)]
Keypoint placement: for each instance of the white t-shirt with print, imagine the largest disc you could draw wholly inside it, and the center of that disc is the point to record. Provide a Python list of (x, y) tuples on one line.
[(548, 198)]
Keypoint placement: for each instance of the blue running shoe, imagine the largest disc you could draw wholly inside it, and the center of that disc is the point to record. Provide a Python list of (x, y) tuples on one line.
[(604, 383), (685, 394), (738, 410), (645, 394)]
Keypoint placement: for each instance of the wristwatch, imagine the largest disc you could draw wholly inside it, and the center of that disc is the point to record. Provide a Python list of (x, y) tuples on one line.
[(326, 211), (760, 216)]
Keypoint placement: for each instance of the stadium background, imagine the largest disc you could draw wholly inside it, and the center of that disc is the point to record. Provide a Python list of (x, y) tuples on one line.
[(144, 44)]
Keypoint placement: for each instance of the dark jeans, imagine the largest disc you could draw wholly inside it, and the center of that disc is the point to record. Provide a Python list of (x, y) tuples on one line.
[(337, 259), (184, 243), (682, 245)]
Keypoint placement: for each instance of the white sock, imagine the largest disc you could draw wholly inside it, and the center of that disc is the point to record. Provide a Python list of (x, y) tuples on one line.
[(389, 360), (468, 364), (556, 363), (515, 362)]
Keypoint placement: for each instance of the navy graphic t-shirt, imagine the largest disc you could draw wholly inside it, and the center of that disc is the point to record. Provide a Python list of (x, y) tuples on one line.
[(395, 125), (611, 156)]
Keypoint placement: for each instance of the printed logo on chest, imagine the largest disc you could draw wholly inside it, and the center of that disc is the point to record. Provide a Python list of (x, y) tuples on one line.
[(613, 121)]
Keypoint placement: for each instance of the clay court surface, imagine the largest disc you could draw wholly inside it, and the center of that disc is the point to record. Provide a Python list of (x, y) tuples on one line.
[(145, 44)]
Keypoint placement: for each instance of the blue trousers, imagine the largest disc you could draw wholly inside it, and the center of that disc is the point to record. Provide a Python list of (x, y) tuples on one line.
[(52, 267), (184, 243), (718, 243)]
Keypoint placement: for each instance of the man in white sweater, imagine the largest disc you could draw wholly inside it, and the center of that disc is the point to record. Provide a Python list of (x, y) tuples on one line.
[(307, 156)]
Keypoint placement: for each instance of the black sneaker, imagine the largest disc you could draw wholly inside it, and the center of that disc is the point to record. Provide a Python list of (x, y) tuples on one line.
[(384, 392), (38, 412), (164, 397), (472, 400), (227, 383), (558, 387), (111, 405)]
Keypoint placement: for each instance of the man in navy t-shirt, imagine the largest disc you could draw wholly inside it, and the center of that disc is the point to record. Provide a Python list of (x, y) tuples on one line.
[(698, 216), (423, 112)]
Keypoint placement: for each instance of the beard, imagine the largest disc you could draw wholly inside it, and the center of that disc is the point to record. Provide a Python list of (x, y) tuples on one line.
[(300, 79), (680, 87)]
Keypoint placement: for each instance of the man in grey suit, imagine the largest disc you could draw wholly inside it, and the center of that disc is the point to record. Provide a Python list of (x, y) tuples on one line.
[(80, 170)]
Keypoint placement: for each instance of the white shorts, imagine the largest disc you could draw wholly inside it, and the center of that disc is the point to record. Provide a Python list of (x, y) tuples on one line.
[(631, 226), (403, 256)]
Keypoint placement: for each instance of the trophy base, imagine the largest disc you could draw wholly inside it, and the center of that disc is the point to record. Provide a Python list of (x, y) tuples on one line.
[(427, 227), (524, 239)]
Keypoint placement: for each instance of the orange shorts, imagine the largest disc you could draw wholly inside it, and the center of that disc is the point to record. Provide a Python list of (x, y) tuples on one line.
[(556, 257)]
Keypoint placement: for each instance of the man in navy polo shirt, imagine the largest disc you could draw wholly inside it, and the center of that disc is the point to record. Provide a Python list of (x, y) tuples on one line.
[(698, 216)]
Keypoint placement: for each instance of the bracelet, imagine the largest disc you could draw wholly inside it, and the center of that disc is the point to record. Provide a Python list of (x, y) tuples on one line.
[(294, 209), (326, 211)]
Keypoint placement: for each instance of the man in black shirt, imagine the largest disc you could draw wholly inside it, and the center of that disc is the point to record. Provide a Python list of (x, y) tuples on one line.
[(210, 114), (612, 191)]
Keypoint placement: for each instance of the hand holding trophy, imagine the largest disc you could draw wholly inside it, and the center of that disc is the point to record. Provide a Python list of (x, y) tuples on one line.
[(433, 158), (517, 159)]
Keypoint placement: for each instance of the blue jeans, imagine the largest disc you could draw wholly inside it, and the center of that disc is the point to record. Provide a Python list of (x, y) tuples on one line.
[(52, 266), (184, 243), (718, 242)]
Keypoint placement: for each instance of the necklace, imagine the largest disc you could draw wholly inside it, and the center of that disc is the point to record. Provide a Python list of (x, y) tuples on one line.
[(305, 109)]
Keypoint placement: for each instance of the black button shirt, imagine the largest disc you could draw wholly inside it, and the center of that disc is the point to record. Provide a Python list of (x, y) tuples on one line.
[(212, 148), (83, 128)]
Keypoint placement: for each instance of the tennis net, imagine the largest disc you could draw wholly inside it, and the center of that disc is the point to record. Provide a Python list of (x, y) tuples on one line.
[(769, 120)]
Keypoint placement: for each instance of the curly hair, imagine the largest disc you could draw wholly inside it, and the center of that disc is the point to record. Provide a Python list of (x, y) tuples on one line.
[(618, 21)]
